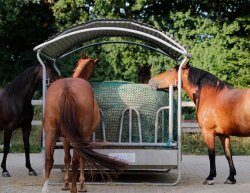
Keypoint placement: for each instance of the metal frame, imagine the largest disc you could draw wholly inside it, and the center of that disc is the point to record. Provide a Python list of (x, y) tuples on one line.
[(175, 46)]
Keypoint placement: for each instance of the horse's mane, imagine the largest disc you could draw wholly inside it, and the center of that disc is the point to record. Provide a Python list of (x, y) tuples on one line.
[(79, 68), (202, 78), (21, 80)]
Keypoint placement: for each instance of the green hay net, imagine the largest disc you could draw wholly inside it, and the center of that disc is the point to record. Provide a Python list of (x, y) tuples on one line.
[(114, 97)]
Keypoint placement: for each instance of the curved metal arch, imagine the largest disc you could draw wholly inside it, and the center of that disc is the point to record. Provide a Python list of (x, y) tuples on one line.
[(66, 40), (114, 42)]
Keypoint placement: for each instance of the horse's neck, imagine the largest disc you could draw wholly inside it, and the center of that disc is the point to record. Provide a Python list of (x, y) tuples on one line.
[(29, 91), (23, 90), (81, 74), (76, 74)]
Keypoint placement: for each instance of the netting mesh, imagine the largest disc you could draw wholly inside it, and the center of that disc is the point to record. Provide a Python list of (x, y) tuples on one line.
[(113, 97)]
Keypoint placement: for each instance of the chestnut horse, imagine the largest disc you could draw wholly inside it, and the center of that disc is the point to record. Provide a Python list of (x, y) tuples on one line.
[(72, 112), (221, 110), (83, 69), (16, 110)]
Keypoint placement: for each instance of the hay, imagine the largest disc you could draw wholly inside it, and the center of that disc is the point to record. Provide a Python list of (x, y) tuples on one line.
[(114, 97)]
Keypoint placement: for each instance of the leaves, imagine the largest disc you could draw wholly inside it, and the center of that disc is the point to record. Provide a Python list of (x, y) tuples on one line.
[(216, 34)]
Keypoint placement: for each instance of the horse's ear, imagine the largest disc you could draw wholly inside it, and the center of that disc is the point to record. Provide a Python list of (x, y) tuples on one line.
[(84, 56), (186, 66), (95, 61)]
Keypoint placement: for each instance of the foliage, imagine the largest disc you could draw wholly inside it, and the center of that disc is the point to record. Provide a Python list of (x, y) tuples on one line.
[(216, 34), (218, 49), (23, 24)]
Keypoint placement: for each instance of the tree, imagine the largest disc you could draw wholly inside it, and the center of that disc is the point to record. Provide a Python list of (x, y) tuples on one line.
[(23, 24), (215, 32)]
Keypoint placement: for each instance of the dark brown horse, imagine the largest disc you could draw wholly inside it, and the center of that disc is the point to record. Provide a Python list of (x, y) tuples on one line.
[(221, 110), (16, 110), (71, 111)]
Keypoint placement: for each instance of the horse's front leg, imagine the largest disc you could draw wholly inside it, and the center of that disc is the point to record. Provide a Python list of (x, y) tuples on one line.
[(67, 161), (225, 141), (82, 178), (26, 134), (209, 139), (6, 149)]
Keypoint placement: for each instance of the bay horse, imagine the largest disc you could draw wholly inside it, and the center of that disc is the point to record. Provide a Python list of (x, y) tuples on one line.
[(72, 112), (221, 110), (17, 112)]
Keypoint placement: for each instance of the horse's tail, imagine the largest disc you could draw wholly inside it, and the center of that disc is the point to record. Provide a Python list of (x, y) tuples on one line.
[(70, 125)]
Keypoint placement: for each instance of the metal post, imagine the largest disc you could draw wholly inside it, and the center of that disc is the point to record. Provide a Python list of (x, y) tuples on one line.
[(179, 114), (44, 96)]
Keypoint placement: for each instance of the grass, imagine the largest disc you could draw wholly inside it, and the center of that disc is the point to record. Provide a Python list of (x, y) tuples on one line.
[(17, 140), (192, 143)]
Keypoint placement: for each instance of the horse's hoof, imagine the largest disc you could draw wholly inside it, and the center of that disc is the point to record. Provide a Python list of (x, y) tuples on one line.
[(230, 182), (208, 182), (6, 174), (83, 189), (32, 173), (66, 187)]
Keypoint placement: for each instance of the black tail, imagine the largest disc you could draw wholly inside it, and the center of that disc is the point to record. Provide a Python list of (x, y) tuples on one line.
[(69, 123)]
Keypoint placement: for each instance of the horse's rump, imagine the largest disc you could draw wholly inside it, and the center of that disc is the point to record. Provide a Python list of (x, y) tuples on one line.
[(76, 117)]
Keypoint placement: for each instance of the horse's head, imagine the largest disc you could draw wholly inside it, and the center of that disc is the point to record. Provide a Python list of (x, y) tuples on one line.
[(84, 67), (51, 73), (167, 78), (144, 74)]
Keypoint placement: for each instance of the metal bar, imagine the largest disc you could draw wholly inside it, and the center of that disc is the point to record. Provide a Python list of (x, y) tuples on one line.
[(121, 125), (46, 56), (93, 137), (113, 42), (157, 122), (56, 68), (162, 125), (44, 98), (179, 114), (139, 125), (187, 104), (37, 102), (171, 113), (103, 125), (130, 125), (133, 144), (183, 103)]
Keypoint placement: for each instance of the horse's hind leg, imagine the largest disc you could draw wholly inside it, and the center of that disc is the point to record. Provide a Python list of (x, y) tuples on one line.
[(82, 178), (225, 141), (75, 164), (50, 142), (26, 134), (67, 161), (209, 139), (7, 136)]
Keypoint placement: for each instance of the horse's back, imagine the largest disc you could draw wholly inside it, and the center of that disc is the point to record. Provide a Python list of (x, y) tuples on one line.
[(82, 92), (77, 85)]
